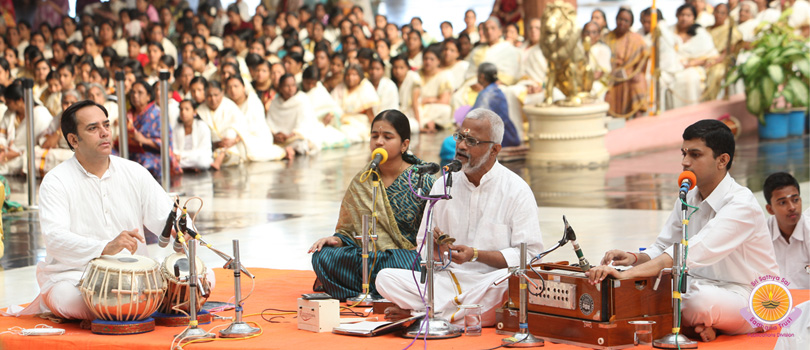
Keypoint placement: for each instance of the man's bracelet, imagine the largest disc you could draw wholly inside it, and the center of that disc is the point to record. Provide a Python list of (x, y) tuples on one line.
[(475, 255)]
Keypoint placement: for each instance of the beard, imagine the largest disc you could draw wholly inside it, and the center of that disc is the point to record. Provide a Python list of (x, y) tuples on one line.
[(471, 165)]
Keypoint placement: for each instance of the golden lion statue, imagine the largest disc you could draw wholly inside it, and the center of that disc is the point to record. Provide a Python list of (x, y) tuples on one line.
[(568, 68)]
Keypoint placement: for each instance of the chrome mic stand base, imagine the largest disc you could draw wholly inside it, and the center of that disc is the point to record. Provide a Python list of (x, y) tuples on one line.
[(438, 328), (195, 333), (363, 299), (675, 340), (238, 330), (523, 340)]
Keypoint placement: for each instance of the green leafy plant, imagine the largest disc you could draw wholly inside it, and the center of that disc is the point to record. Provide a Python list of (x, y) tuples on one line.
[(777, 74)]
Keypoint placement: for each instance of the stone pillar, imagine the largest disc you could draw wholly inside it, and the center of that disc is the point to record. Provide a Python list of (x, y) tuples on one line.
[(568, 136), (535, 8)]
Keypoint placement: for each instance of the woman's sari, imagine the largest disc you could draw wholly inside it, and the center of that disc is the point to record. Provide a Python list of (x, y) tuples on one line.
[(628, 94), (399, 214), (148, 124)]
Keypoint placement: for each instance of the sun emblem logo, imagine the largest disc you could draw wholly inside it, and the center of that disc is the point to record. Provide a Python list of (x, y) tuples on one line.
[(771, 302)]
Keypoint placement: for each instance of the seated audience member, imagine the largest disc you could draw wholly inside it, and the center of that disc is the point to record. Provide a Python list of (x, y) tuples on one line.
[(14, 129), (493, 99), (485, 245), (386, 88), (326, 110), (729, 243), (435, 94), (414, 45), (143, 124), (51, 148), (357, 98), (292, 121), (452, 62), (336, 259), (233, 144), (790, 229), (716, 68), (627, 95), (192, 139), (410, 90), (693, 47)]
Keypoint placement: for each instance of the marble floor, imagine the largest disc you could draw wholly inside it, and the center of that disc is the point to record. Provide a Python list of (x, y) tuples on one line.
[(277, 210)]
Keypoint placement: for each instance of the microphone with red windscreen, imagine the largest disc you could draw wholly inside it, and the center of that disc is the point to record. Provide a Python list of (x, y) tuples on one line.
[(687, 182)]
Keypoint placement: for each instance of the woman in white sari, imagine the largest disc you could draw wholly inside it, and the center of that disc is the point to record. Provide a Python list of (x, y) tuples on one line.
[(386, 88), (357, 98), (436, 90), (292, 119), (192, 139), (410, 90), (450, 62), (326, 111), (233, 144), (694, 47), (250, 105)]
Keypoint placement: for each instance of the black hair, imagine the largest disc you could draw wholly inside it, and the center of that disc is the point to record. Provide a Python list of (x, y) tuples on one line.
[(384, 40), (627, 10), (447, 23), (401, 57), (52, 75), (692, 30), (402, 126), (417, 18), (312, 73), (67, 66), (32, 53), (232, 65), (237, 77), (244, 35), (108, 52), (603, 15), (715, 134), (252, 60), (149, 90), (5, 65), (355, 67), (435, 49), (179, 70), (167, 60), (69, 122), (158, 45), (104, 73), (213, 84), (365, 53), (199, 80), (776, 181), (201, 54), (14, 91), (417, 33), (295, 56), (285, 76)]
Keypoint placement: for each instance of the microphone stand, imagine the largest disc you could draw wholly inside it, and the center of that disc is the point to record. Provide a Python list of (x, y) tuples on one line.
[(365, 298), (523, 339), (193, 332), (434, 327), (238, 328), (676, 340)]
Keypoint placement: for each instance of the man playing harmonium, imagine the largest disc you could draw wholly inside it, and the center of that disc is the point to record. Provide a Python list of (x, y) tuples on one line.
[(491, 212), (92, 204), (729, 244)]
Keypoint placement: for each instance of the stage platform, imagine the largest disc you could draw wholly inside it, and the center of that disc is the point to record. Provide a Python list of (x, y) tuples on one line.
[(665, 130), (279, 289)]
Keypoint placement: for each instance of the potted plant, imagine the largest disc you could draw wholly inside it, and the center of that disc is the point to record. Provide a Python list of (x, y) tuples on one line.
[(776, 76)]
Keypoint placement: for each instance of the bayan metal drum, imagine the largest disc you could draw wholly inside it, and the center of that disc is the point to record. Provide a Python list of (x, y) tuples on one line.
[(175, 271), (122, 288)]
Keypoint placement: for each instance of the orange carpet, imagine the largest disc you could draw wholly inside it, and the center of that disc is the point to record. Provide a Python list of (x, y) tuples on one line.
[(279, 289)]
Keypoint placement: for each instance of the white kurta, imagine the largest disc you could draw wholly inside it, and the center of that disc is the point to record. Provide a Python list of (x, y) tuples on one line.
[(794, 256), (81, 213), (198, 153), (14, 136), (389, 95), (499, 214), (800, 329), (296, 116), (729, 247)]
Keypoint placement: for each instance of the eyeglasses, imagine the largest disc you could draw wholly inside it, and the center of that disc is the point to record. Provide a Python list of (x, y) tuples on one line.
[(471, 142)]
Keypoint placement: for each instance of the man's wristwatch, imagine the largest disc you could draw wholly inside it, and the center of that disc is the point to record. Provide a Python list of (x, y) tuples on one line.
[(475, 255)]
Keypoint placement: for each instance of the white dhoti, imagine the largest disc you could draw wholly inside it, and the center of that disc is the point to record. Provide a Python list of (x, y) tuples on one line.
[(716, 305), (450, 290)]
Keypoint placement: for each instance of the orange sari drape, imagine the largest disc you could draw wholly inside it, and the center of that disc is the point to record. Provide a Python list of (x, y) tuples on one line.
[(628, 94)]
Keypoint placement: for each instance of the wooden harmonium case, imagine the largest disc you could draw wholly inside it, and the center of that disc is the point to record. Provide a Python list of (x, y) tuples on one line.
[(571, 310)]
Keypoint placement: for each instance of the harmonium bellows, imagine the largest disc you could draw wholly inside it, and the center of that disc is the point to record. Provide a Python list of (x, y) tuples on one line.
[(568, 309)]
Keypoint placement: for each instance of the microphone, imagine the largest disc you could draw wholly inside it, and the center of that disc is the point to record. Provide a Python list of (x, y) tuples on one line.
[(453, 166), (687, 181), (379, 156), (166, 235), (571, 236), (428, 168)]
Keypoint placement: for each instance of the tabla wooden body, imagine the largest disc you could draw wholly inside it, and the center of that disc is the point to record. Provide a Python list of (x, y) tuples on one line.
[(177, 291), (122, 288)]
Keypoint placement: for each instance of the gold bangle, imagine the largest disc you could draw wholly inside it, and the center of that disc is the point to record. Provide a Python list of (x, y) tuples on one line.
[(475, 255)]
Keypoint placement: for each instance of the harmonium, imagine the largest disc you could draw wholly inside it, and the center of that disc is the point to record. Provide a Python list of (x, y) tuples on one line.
[(572, 311)]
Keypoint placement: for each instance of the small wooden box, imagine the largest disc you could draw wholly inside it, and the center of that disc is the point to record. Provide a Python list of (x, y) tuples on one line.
[(318, 315)]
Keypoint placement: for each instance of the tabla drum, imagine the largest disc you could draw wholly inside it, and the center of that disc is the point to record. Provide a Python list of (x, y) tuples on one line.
[(175, 270), (122, 288)]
